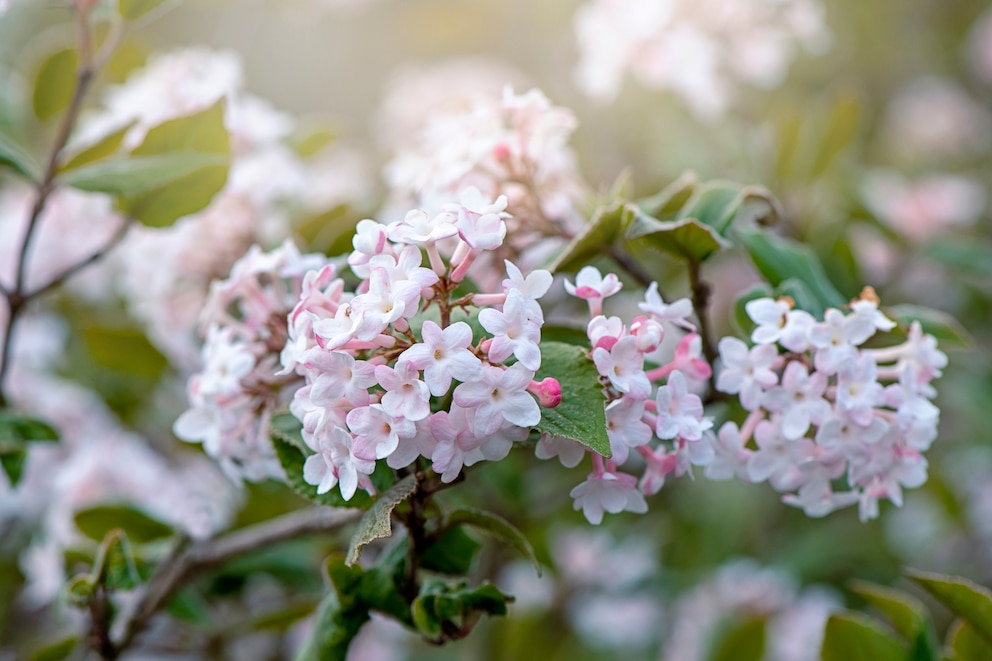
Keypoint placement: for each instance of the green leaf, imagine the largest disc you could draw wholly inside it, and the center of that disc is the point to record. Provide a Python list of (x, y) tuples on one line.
[(968, 644), (779, 260), (16, 431), (139, 174), (57, 651), (686, 239), (906, 613), (79, 590), (966, 599), (376, 524), (671, 198), (203, 133), (845, 120), (444, 611), (12, 463), (133, 9), (606, 225), (744, 641), (452, 553), (581, 415), (941, 325), (123, 350), (718, 203), (18, 159), (498, 527), (334, 628), (115, 566), (854, 637), (292, 456), (97, 522), (311, 140), (55, 83), (99, 150), (966, 256)]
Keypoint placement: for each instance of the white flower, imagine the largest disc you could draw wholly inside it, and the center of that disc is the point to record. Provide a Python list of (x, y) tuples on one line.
[(625, 428), (337, 374), (745, 371), (515, 332), (799, 399), (377, 434), (406, 395), (623, 365), (730, 456), (420, 228), (569, 452), (778, 459), (676, 313), (444, 355), (589, 283), (610, 492), (500, 394), (680, 413), (334, 463)]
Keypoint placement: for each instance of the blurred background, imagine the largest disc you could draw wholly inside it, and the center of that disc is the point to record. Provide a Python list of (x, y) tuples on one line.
[(869, 120)]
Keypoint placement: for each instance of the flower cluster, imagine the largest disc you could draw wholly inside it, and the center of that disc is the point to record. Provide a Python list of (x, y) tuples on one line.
[(637, 413), (240, 385), (819, 408), (406, 365)]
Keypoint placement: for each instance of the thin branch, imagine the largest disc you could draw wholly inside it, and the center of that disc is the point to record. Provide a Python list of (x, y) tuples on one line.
[(72, 270), (186, 561), (701, 302)]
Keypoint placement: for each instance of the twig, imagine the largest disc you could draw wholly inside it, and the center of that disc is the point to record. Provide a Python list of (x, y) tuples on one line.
[(72, 270), (186, 561), (700, 302)]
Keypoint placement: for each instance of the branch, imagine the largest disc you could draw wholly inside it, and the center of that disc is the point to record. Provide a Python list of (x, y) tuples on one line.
[(701, 302), (72, 270), (187, 560)]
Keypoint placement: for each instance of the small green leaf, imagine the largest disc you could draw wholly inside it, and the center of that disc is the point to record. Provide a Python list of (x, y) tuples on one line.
[(779, 260), (12, 462), (945, 328), (310, 141), (79, 590), (99, 150), (18, 159), (452, 553), (97, 522), (55, 84), (581, 415), (124, 350), (139, 174), (17, 429), (854, 637), (292, 456), (686, 239), (966, 599), (671, 198), (742, 641), (906, 613), (57, 651), (606, 225), (444, 611), (115, 565), (376, 524), (498, 527), (968, 644), (333, 630), (134, 9)]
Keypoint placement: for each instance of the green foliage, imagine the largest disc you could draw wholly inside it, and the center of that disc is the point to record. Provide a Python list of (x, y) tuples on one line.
[(114, 568), (134, 9), (16, 431), (498, 527), (672, 197), (606, 226), (445, 611), (687, 239), (97, 522), (18, 159), (97, 151), (742, 641), (139, 174), (452, 553), (581, 415), (854, 637), (202, 134), (907, 615), (55, 83), (967, 643), (375, 523), (966, 599), (55, 651), (944, 327)]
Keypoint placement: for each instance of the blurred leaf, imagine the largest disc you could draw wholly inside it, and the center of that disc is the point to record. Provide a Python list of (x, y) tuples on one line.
[(292, 456), (854, 637), (798, 291), (717, 203), (115, 564), (606, 225), (334, 628), (845, 120), (97, 522), (123, 350), (203, 132), (688, 239), (55, 83), (671, 198), (307, 142), (744, 641), (330, 231), (135, 175), (498, 527), (452, 553), (788, 130), (779, 260), (18, 159), (906, 613), (969, 255), (376, 524), (968, 644), (16, 431), (941, 325), (282, 618), (445, 611), (966, 599), (12, 462), (132, 9), (79, 590), (581, 415), (565, 334), (98, 151), (55, 651)]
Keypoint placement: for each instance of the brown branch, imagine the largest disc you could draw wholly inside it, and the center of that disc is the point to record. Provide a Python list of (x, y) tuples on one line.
[(701, 292), (94, 257), (187, 560)]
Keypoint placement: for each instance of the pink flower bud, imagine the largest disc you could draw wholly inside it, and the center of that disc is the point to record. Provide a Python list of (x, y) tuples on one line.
[(548, 392)]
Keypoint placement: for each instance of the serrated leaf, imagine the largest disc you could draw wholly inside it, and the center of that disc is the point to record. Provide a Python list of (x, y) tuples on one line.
[(968, 644), (203, 132), (55, 83), (139, 174), (779, 260), (906, 613), (742, 641), (375, 523), (945, 328), (97, 522), (581, 415), (686, 239), (18, 159), (606, 225), (99, 150), (672, 197), (498, 527), (854, 637), (966, 599), (453, 553), (134, 9), (292, 457)]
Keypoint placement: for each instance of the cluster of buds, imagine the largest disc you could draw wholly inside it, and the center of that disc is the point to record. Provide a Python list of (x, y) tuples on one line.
[(394, 369), (637, 413), (822, 406), (240, 386)]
